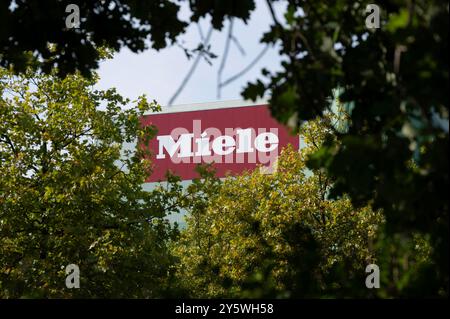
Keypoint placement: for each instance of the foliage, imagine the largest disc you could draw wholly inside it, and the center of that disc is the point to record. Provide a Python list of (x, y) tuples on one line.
[(31, 26), (394, 82), (277, 235), (71, 194)]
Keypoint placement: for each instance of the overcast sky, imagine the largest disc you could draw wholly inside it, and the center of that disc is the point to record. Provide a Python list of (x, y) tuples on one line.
[(158, 74)]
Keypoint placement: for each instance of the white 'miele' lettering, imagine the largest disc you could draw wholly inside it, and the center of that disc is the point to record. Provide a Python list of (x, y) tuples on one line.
[(220, 145)]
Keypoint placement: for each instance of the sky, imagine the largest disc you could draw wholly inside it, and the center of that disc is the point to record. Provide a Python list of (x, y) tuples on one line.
[(158, 74)]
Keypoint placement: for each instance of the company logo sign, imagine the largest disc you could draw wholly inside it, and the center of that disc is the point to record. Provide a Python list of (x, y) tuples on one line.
[(210, 145), (234, 139)]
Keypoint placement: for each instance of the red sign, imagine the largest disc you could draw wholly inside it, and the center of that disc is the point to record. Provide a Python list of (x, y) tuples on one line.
[(233, 138)]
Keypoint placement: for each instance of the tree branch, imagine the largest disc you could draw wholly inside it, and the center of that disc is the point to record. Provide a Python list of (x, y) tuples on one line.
[(224, 58), (246, 69), (191, 70)]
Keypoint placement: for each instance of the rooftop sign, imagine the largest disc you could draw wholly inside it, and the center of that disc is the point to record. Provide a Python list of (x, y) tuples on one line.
[(234, 135)]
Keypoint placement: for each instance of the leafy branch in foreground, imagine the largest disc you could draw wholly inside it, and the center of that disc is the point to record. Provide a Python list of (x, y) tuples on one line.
[(71, 193)]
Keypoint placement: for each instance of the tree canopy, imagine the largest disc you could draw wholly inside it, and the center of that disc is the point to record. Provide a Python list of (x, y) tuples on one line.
[(393, 81), (28, 26), (71, 194), (281, 235)]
